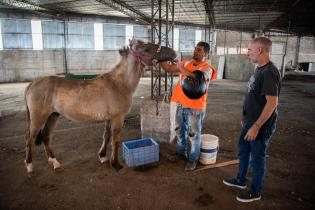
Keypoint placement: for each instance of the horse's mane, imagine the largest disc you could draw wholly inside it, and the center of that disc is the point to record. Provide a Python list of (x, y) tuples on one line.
[(123, 52)]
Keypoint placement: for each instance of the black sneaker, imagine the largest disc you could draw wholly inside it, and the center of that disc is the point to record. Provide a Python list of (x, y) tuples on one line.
[(247, 196), (234, 183), (191, 165)]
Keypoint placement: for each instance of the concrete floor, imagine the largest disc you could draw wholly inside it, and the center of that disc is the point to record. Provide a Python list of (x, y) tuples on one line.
[(86, 184)]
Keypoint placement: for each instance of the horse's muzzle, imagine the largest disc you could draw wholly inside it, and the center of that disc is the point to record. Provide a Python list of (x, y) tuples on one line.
[(166, 54)]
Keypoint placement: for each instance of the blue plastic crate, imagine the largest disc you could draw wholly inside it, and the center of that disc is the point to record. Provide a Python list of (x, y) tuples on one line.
[(140, 152)]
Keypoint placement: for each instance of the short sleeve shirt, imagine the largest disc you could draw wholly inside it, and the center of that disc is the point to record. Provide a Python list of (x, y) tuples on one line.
[(265, 81)]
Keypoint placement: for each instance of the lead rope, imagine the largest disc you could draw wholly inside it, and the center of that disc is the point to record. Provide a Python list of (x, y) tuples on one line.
[(154, 66), (165, 99), (154, 86)]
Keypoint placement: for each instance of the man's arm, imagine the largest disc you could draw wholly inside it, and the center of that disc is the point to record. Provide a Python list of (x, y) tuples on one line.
[(173, 68), (271, 104), (170, 68)]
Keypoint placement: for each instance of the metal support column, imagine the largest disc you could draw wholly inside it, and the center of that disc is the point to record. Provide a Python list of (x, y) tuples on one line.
[(65, 40), (161, 37), (297, 50)]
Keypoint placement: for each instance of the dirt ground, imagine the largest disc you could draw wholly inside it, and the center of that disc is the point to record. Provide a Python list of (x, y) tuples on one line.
[(87, 184)]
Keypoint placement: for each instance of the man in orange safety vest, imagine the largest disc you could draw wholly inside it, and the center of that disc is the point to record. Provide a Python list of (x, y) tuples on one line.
[(190, 94)]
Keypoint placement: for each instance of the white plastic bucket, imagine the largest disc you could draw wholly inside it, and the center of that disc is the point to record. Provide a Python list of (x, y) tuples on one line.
[(208, 149)]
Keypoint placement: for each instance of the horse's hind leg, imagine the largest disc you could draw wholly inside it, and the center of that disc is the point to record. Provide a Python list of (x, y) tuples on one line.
[(35, 126), (46, 136), (29, 137), (106, 138), (116, 126)]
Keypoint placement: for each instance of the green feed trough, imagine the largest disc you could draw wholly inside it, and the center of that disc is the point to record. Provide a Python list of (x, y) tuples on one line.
[(81, 76)]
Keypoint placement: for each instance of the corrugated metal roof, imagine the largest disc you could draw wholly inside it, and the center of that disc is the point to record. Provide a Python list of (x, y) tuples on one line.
[(295, 16)]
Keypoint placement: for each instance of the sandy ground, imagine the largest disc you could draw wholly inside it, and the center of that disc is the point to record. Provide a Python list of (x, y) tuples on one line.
[(86, 184)]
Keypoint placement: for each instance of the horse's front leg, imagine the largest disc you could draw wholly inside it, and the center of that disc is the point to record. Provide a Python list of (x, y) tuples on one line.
[(116, 126), (106, 138)]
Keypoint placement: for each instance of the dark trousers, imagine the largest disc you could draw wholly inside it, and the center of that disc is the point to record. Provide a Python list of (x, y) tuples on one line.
[(254, 153)]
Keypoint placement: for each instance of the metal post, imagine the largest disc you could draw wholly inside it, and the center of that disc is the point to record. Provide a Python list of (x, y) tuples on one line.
[(284, 56), (156, 30), (210, 41), (224, 40), (65, 35), (172, 79), (166, 41), (297, 50), (153, 41), (285, 52), (160, 40), (241, 42)]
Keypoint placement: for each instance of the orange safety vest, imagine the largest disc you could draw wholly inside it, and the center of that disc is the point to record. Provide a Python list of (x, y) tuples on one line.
[(178, 94)]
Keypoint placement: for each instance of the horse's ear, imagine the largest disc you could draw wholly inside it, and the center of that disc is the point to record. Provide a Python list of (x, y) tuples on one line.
[(134, 41), (121, 52)]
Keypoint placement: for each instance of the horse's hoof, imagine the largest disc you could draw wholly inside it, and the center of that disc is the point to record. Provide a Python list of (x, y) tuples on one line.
[(30, 175), (55, 163), (103, 159), (59, 169), (29, 167), (116, 166)]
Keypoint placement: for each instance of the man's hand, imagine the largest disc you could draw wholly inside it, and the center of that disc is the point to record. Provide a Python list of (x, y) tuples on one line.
[(272, 102), (252, 132), (170, 67), (184, 71)]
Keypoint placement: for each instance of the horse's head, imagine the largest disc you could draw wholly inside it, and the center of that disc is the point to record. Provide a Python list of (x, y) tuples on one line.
[(147, 52)]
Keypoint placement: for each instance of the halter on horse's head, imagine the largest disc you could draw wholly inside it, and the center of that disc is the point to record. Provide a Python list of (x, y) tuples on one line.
[(145, 53)]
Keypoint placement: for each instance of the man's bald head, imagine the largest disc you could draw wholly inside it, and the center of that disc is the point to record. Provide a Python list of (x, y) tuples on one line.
[(262, 42), (258, 51)]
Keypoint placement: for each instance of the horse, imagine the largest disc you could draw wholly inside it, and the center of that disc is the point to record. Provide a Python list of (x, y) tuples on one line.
[(107, 98)]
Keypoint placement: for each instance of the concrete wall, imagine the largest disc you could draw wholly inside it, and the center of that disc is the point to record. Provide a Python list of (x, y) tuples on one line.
[(92, 62), (307, 50), (27, 65), (153, 125), (237, 67), (214, 61), (232, 39), (305, 46)]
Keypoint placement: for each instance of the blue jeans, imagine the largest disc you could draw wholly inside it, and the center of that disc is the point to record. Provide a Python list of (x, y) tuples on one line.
[(188, 125), (254, 153)]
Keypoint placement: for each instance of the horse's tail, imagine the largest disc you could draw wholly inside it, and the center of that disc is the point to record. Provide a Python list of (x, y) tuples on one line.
[(28, 118), (38, 139)]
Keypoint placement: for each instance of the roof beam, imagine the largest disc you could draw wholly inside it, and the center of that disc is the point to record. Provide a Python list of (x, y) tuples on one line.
[(138, 15), (25, 5), (22, 5), (285, 15), (209, 10), (126, 9)]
